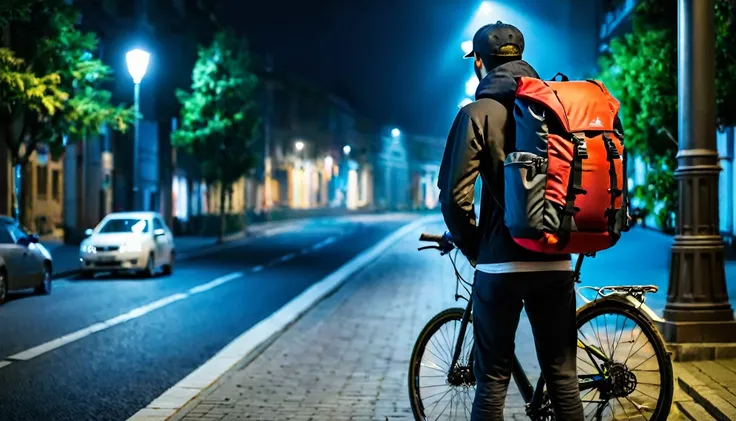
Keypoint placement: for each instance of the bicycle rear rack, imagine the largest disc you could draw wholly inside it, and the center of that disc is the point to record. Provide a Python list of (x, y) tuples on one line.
[(634, 294)]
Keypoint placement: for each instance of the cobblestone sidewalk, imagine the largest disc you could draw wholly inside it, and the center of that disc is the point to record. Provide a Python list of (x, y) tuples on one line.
[(347, 359)]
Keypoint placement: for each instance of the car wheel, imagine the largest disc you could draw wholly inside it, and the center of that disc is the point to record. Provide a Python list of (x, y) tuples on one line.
[(150, 267), (45, 287), (169, 268), (3, 286)]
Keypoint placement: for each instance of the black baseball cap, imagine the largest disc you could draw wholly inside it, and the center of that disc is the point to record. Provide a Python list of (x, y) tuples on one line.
[(490, 39)]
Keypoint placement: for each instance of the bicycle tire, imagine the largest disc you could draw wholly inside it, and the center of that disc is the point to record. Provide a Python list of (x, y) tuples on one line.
[(448, 315), (613, 306)]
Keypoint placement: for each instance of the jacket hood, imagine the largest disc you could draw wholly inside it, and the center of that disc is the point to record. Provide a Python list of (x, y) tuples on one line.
[(500, 83)]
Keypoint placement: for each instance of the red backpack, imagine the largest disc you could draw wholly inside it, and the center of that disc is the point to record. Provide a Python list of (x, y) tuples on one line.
[(565, 180)]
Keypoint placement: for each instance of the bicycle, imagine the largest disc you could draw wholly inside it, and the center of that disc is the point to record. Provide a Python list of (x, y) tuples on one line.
[(611, 380)]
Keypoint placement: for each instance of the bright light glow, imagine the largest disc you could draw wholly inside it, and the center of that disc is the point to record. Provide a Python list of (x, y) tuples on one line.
[(464, 102), (86, 248), (346, 149), (467, 46), (137, 61), (328, 163), (485, 8), (471, 85), (139, 226), (395, 132), (299, 145)]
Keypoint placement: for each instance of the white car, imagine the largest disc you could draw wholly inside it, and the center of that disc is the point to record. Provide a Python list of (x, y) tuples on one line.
[(128, 241)]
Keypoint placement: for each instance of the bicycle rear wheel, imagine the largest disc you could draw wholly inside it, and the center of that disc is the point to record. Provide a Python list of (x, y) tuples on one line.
[(435, 391), (624, 369)]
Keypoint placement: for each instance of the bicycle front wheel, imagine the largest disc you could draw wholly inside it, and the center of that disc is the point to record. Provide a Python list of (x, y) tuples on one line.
[(624, 369), (438, 391)]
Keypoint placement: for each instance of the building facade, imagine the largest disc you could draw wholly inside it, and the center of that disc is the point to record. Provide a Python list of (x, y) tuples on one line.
[(100, 169)]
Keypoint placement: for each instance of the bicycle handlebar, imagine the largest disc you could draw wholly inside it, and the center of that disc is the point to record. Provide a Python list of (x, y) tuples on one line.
[(436, 238)]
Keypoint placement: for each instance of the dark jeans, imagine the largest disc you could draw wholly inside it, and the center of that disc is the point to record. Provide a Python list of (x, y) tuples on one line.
[(549, 299)]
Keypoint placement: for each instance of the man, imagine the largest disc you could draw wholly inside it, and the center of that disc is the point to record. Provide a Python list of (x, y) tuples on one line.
[(507, 276)]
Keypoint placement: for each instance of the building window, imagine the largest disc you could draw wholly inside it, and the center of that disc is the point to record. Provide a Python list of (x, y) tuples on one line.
[(55, 184), (42, 181)]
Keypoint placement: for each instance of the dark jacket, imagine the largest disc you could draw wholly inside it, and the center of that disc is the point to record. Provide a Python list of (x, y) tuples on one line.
[(480, 138)]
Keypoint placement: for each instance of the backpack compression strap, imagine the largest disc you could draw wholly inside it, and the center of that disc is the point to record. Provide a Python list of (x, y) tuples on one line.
[(575, 187), (612, 212)]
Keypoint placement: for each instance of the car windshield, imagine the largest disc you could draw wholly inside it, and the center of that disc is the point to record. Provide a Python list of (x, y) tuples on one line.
[(133, 225)]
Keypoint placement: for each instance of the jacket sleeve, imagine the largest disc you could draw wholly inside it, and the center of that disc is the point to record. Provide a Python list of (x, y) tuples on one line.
[(458, 173)]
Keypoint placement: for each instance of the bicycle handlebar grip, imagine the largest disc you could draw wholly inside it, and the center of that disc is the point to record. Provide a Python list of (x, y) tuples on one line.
[(431, 237)]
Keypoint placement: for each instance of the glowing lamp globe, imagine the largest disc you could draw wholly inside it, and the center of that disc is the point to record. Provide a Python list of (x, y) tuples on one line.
[(137, 61)]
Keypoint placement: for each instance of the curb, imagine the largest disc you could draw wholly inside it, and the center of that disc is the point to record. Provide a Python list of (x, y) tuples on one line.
[(257, 338), (207, 248)]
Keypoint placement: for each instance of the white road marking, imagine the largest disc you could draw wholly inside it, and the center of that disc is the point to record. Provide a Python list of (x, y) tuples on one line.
[(324, 243), (4, 363), (287, 257), (171, 401), (215, 283), (257, 268), (125, 317)]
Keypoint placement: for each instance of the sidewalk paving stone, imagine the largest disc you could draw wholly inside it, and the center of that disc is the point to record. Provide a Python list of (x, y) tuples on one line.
[(347, 359)]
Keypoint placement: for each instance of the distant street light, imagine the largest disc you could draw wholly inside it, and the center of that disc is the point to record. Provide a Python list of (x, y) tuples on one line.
[(395, 132), (299, 145), (485, 8), (346, 149), (467, 46), (137, 61), (328, 162)]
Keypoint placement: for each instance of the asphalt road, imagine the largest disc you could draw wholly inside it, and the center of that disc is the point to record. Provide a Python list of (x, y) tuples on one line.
[(112, 373)]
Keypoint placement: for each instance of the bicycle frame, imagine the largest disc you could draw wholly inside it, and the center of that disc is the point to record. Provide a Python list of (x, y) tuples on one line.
[(534, 396)]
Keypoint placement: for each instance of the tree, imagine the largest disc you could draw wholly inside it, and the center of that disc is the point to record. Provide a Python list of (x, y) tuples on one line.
[(51, 85), (220, 118), (641, 71)]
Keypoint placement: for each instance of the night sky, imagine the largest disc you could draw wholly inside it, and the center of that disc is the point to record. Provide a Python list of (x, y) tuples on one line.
[(399, 62), (388, 58)]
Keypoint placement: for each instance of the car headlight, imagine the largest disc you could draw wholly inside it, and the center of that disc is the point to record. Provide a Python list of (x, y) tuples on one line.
[(131, 247), (87, 248)]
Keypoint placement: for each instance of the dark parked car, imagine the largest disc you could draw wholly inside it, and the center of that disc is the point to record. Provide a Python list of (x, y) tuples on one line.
[(24, 261)]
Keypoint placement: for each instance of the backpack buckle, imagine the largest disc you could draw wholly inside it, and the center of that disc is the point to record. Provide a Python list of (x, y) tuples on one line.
[(610, 147), (581, 148)]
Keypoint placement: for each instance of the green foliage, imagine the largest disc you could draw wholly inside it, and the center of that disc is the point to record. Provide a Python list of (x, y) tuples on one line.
[(220, 118), (51, 82), (18, 85), (15, 10), (640, 69)]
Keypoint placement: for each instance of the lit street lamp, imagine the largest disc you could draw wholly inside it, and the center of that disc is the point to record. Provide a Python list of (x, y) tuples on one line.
[(346, 149), (137, 61), (395, 132), (299, 145)]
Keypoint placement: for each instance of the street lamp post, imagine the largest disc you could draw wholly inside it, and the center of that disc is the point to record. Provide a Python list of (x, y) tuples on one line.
[(697, 309), (137, 61)]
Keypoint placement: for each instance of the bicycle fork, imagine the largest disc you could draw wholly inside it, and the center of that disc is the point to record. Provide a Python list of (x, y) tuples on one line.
[(461, 340)]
